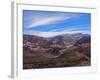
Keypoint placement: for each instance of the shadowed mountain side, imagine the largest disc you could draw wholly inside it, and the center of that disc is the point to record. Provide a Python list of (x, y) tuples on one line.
[(84, 45)]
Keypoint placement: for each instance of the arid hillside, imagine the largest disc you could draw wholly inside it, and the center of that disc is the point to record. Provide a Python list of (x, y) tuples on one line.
[(68, 50)]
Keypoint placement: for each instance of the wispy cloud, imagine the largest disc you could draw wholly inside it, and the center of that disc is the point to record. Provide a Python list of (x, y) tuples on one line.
[(50, 20), (44, 21), (72, 28)]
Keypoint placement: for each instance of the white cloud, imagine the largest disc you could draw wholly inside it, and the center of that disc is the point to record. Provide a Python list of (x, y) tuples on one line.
[(39, 21), (44, 34), (43, 21), (52, 34)]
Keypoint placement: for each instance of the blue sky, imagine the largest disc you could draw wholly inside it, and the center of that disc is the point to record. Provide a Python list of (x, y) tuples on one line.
[(50, 23)]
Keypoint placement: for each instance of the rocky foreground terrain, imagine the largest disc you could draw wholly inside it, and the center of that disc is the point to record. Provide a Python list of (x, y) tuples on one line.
[(66, 50)]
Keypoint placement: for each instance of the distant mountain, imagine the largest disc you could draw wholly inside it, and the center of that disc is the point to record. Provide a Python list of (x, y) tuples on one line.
[(32, 38), (36, 40), (66, 39), (57, 40)]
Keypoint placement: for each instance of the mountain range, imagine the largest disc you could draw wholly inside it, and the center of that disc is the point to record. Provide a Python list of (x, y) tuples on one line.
[(57, 48)]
